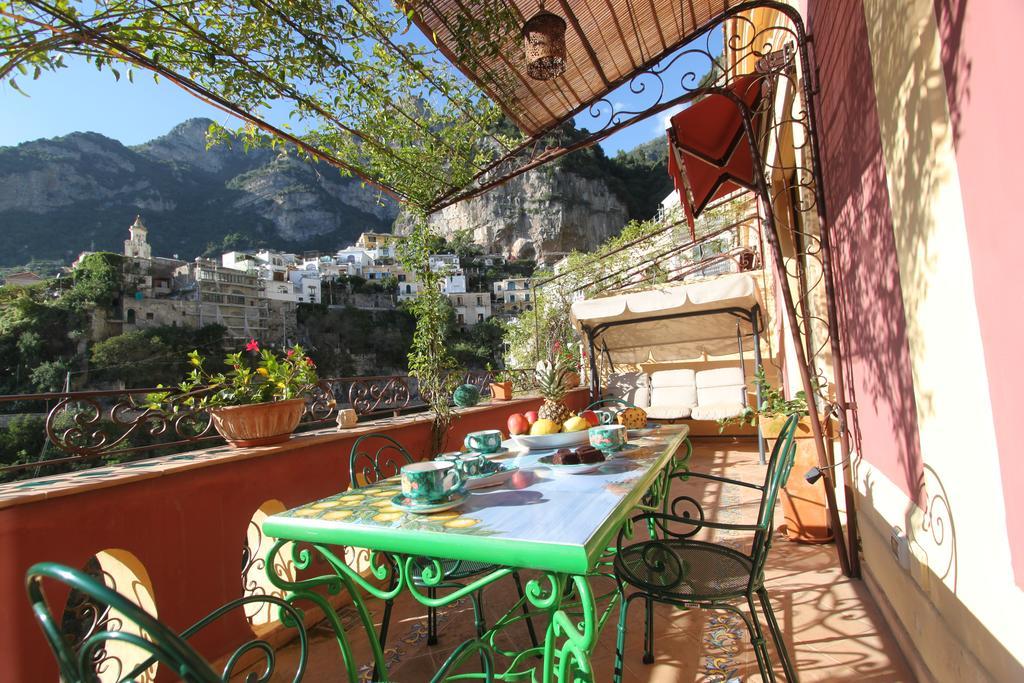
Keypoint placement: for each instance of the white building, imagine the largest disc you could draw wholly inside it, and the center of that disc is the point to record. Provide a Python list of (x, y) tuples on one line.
[(471, 308), (137, 246), (444, 262), (355, 258), (307, 285), (454, 284)]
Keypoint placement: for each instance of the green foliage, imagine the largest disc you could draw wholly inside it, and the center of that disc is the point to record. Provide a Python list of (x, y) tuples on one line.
[(773, 403), (430, 359), (50, 375), (21, 441), (480, 346), (157, 355), (253, 376), (335, 337), (361, 90), (97, 281)]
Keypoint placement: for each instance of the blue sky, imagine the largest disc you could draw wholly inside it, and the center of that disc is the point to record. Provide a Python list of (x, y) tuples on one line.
[(80, 98)]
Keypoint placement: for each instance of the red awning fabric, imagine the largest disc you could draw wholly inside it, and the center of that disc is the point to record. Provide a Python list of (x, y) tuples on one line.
[(708, 154)]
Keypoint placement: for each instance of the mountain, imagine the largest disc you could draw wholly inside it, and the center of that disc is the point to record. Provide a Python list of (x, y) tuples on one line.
[(63, 195), (81, 191), (575, 203)]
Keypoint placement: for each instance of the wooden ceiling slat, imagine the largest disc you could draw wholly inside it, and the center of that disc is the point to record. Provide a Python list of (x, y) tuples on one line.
[(601, 50)]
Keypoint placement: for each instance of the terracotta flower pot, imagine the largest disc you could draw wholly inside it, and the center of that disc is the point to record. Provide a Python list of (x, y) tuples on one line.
[(571, 380), (501, 391), (259, 424), (803, 505)]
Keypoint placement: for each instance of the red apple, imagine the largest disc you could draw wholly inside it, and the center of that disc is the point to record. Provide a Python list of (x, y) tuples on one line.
[(531, 416), (591, 417), (518, 424)]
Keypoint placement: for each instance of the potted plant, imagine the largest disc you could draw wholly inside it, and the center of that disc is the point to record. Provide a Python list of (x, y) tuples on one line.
[(257, 401), (501, 385), (804, 505)]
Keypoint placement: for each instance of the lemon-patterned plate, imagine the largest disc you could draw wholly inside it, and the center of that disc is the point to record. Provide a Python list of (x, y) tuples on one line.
[(447, 503)]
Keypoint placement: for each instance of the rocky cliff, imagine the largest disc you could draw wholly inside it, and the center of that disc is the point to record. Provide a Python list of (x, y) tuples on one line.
[(64, 195), (541, 215), (81, 191)]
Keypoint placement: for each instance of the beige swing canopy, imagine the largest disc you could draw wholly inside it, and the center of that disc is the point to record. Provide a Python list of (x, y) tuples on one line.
[(677, 322)]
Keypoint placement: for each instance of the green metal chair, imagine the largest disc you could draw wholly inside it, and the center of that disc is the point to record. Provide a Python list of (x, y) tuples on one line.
[(369, 466), (164, 646), (676, 569)]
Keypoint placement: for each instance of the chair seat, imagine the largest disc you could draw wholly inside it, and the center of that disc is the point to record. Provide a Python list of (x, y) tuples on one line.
[(684, 569), (454, 570)]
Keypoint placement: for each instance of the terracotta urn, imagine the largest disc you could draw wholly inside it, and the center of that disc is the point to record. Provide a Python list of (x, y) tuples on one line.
[(258, 424), (803, 505), (571, 379), (501, 391)]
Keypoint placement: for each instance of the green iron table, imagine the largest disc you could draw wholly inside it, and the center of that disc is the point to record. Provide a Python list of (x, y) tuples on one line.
[(560, 525)]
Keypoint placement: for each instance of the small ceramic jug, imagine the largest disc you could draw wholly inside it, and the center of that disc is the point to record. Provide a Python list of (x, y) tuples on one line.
[(347, 418)]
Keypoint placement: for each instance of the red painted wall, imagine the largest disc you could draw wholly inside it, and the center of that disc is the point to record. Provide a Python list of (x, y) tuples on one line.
[(980, 42), (188, 529), (871, 313)]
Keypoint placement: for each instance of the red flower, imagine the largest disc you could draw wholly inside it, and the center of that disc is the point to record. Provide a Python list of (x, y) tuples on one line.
[(253, 345), (291, 352), (309, 362)]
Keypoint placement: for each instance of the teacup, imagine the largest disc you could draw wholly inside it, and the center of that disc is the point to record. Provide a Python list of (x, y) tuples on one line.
[(431, 480), (487, 441), (608, 437), (470, 464)]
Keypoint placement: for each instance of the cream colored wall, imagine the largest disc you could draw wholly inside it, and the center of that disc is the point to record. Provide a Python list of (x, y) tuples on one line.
[(958, 602)]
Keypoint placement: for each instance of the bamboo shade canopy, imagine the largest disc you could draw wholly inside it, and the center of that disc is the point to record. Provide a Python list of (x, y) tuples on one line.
[(606, 42)]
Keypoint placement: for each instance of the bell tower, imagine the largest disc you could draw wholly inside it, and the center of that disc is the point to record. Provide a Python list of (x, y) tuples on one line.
[(136, 245)]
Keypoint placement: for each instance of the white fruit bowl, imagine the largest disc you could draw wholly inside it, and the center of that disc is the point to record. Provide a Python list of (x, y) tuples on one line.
[(552, 441)]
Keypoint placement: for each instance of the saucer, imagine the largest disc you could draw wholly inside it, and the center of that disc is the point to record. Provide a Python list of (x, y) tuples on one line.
[(483, 481), (454, 499), (581, 468), (496, 454)]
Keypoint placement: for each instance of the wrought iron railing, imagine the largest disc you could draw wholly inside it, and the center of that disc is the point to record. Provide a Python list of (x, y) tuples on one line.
[(84, 428)]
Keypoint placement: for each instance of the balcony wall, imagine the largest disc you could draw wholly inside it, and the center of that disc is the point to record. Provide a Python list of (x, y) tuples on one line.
[(184, 518)]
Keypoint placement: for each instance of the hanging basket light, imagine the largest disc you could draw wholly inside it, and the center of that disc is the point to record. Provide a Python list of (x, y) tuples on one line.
[(544, 41)]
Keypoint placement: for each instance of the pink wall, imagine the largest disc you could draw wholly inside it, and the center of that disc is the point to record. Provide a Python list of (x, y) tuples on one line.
[(980, 50), (871, 313)]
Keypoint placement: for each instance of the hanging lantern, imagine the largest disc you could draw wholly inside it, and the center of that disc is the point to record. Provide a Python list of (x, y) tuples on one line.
[(544, 41)]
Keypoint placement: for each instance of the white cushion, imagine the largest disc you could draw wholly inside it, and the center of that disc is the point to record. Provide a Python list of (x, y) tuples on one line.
[(669, 412), (721, 386), (673, 388), (716, 411), (630, 386)]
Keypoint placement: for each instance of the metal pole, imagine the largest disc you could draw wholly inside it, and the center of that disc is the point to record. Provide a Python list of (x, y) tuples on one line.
[(755, 322), (789, 309)]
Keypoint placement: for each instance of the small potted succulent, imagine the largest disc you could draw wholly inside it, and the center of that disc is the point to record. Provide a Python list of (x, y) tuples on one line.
[(259, 399), (803, 502), (501, 385)]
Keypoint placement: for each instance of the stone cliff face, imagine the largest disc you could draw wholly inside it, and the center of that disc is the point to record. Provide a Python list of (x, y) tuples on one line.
[(81, 191), (542, 215)]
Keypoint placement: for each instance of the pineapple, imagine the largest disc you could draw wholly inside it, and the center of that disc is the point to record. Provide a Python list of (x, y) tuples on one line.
[(551, 383)]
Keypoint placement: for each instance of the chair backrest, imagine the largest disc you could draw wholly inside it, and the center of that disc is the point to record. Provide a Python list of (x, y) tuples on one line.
[(721, 386), (777, 474), (162, 644), (674, 387), (374, 457), (633, 387)]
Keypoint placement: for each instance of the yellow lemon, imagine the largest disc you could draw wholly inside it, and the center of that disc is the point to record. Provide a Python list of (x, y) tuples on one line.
[(337, 514), (462, 523), (575, 424), (544, 426)]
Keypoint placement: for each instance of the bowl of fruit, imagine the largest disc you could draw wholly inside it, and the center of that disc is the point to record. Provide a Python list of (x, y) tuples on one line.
[(553, 425)]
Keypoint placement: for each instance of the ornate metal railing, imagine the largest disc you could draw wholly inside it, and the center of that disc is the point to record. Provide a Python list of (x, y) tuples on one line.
[(84, 427)]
